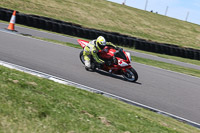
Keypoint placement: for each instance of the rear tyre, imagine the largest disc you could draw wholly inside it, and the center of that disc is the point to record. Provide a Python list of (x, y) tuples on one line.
[(130, 75), (82, 57)]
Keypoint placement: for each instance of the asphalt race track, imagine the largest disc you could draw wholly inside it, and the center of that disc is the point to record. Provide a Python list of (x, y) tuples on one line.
[(168, 91), (62, 38)]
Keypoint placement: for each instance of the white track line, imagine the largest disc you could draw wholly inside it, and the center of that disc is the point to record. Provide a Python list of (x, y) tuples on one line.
[(68, 82), (10, 32)]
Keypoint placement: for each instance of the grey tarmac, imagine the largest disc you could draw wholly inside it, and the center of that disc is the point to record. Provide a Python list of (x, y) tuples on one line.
[(168, 91), (62, 38)]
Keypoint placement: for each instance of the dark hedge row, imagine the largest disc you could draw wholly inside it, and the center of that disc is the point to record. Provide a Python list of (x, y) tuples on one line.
[(79, 31)]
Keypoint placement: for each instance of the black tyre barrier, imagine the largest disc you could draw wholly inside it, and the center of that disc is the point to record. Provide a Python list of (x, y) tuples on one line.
[(5, 9), (44, 25), (169, 50), (120, 40), (109, 38), (82, 33), (3, 15), (67, 29), (130, 42), (20, 19), (178, 52), (112, 38), (24, 19), (196, 55), (136, 43), (29, 21), (190, 54), (55, 27), (124, 42), (105, 35), (186, 54), (92, 34), (59, 28), (62, 28), (147, 46), (8, 15), (98, 33), (78, 31), (166, 49), (87, 33), (182, 53), (102, 33), (158, 48), (74, 31), (36, 23), (153, 47), (116, 38), (141, 45)]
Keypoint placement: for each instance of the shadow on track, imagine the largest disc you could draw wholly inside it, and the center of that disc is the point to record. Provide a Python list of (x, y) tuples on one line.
[(115, 76)]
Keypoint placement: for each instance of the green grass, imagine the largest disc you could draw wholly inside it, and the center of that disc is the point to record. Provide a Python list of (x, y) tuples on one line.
[(159, 64), (32, 104), (191, 61), (101, 14), (167, 66)]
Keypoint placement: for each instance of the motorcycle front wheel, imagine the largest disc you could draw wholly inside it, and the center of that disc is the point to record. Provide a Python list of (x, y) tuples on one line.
[(130, 75)]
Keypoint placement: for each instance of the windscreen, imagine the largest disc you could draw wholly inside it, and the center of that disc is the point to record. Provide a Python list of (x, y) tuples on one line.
[(120, 54)]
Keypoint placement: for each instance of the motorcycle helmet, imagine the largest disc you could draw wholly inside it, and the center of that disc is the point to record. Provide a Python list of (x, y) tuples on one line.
[(100, 42)]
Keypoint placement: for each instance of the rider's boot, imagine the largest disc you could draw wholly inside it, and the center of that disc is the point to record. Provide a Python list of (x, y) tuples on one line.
[(110, 71), (87, 65)]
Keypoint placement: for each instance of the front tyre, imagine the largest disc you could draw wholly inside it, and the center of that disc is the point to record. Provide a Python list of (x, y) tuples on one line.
[(130, 75)]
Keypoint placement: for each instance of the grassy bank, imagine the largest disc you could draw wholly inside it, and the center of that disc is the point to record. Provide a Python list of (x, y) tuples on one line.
[(109, 16), (167, 66), (31, 104)]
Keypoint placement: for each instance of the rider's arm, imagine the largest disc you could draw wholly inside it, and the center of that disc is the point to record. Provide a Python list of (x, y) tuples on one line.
[(109, 44), (96, 57)]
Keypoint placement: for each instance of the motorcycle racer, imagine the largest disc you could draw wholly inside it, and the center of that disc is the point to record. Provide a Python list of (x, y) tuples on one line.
[(92, 49)]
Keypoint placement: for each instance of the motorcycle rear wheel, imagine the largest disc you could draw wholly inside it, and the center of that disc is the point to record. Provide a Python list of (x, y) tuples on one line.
[(130, 75), (82, 57)]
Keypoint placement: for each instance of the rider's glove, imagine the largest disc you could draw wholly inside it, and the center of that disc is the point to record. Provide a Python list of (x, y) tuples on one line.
[(117, 48)]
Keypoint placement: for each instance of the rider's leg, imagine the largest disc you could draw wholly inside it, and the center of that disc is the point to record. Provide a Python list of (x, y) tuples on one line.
[(87, 60)]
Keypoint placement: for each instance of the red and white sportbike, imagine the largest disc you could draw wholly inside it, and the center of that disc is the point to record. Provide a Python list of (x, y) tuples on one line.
[(119, 64)]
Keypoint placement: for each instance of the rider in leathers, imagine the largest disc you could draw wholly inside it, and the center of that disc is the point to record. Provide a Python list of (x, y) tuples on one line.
[(93, 48)]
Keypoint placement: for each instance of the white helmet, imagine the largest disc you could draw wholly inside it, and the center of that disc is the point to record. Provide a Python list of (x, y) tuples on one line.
[(100, 42)]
